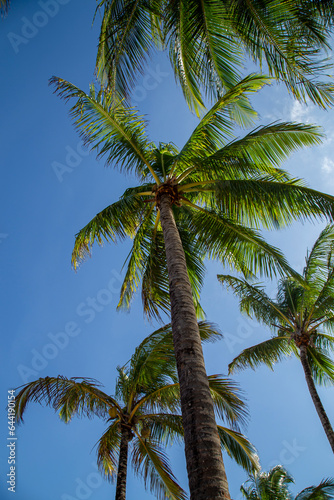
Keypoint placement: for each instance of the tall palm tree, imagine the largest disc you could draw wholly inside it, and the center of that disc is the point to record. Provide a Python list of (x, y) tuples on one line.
[(190, 203), (207, 42), (273, 485), (143, 415), (303, 318)]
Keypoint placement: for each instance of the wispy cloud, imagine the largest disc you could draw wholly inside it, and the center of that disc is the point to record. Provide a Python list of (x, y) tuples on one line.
[(300, 112), (327, 166)]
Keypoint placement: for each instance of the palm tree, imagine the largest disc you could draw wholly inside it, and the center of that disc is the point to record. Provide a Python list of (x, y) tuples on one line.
[(273, 485), (190, 203), (303, 318), (207, 42), (143, 415)]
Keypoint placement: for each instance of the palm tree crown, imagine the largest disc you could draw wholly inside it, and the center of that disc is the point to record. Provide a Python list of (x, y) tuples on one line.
[(217, 184), (274, 485), (302, 316), (143, 415), (207, 42)]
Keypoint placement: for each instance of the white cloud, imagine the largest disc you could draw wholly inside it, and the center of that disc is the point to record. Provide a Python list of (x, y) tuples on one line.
[(327, 165), (299, 112)]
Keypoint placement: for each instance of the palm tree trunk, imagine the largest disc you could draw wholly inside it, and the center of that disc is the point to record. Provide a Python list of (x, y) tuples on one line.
[(206, 472), (315, 397), (122, 465)]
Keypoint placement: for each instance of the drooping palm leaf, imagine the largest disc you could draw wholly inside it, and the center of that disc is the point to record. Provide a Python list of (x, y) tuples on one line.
[(268, 352)]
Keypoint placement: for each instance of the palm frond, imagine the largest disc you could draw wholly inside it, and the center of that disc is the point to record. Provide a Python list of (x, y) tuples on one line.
[(216, 125), (164, 428), (75, 396), (324, 491), (151, 463), (124, 44), (108, 451), (277, 35), (226, 396), (271, 204), (254, 300), (231, 243), (118, 220), (4, 6), (321, 254), (322, 366), (239, 448), (268, 352), (107, 125)]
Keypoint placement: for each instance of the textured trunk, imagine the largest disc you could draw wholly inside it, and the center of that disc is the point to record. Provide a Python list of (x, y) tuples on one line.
[(122, 465), (206, 473), (315, 397)]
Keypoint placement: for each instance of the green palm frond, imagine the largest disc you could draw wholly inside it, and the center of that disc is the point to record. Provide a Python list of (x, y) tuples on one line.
[(161, 398), (268, 485), (254, 300), (207, 43), (268, 352), (228, 405), (119, 220), (68, 396), (223, 239), (165, 428), (107, 452), (125, 38), (239, 448), (322, 366), (261, 150), (321, 255), (196, 40), (277, 36), (151, 463), (159, 348), (216, 126), (110, 127), (324, 491), (271, 204)]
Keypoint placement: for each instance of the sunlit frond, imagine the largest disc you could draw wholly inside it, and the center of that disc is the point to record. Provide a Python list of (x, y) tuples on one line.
[(268, 352), (108, 450), (322, 366), (254, 301), (239, 448), (75, 396), (107, 125), (324, 491), (151, 463), (119, 220), (226, 396)]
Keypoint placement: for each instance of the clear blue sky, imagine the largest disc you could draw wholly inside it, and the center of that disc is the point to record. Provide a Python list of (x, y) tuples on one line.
[(51, 187)]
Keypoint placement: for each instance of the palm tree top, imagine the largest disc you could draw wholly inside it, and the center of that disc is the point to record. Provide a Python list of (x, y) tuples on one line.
[(146, 407), (274, 485), (302, 313), (222, 189)]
